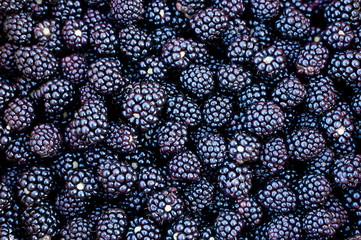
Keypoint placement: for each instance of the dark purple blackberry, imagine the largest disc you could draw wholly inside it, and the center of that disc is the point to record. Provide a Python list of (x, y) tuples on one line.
[(45, 140), (338, 35), (305, 143), (160, 37), (252, 94), (103, 38), (6, 196), (19, 28), (75, 34), (243, 48), (343, 10), (284, 227), (5, 137), (291, 49), (7, 231), (321, 95), (178, 52), (289, 92), (236, 27), (74, 68), (228, 225), (320, 223), (322, 163), (7, 58), (234, 180), (47, 33), (35, 184), (126, 12), (292, 24), (116, 178), (276, 196), (233, 78), (198, 80), (56, 94), (112, 224), (122, 138), (69, 206), (41, 221), (19, 114), (352, 199), (67, 10), (165, 206), (209, 23), (269, 62), (134, 202), (217, 110), (18, 149), (235, 125), (150, 178), (306, 120), (232, 8), (262, 31), (199, 195), (345, 66), (94, 16), (88, 127), (81, 183), (274, 154), (356, 104), (183, 228), (36, 62), (68, 161), (189, 7), (243, 147), (264, 118), (143, 104), (7, 92), (153, 69), (140, 157), (134, 43), (88, 94), (196, 134), (338, 210), (250, 211), (172, 137), (212, 150), (143, 228), (77, 228), (185, 166), (11, 6), (158, 13), (346, 170), (265, 10)]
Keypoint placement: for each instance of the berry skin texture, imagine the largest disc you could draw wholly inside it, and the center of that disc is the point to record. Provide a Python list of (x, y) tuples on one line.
[(185, 166), (233, 78), (274, 154), (111, 224), (143, 228), (293, 24), (217, 110), (78, 228), (320, 223), (45, 140), (212, 150), (75, 34), (243, 48), (312, 59), (265, 9), (80, 183), (289, 93), (183, 228), (199, 195), (346, 170), (172, 137), (244, 148), (20, 114), (345, 66), (269, 62), (122, 138), (338, 35), (228, 225), (198, 80)]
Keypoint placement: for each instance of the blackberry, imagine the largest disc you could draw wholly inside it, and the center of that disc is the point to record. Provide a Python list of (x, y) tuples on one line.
[(289, 92), (19, 114), (232, 8), (116, 178), (153, 69), (209, 23), (352, 199), (345, 66), (112, 224), (74, 68), (48, 34), (126, 12), (285, 227), (269, 62), (343, 10), (68, 160), (291, 49), (243, 147), (165, 206), (7, 60), (274, 154), (322, 163), (140, 157), (172, 137), (7, 93), (88, 94), (320, 223), (56, 94), (77, 228), (250, 211), (198, 80), (81, 183), (185, 166), (36, 62), (307, 120), (6, 196), (45, 140), (236, 27), (264, 118), (19, 28), (199, 195), (338, 35), (158, 13), (178, 52), (293, 24), (134, 43), (67, 10), (94, 16), (252, 94), (160, 37), (212, 150), (143, 228), (150, 178), (276, 196), (189, 7), (183, 228), (7, 231), (243, 48), (143, 104), (346, 170), (305, 143), (321, 95), (233, 78), (103, 39), (265, 10), (356, 104), (228, 225), (262, 31), (122, 138), (18, 149), (11, 6), (75, 34), (69, 206), (234, 180)]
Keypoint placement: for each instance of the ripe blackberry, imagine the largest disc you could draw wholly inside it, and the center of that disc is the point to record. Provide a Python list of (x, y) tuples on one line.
[(67, 10), (276, 196), (45, 140), (7, 231), (250, 211), (36, 62), (48, 34), (289, 92), (75, 34), (274, 154), (312, 59), (122, 138), (143, 104), (356, 104), (143, 228), (284, 227), (88, 127), (243, 48), (88, 94), (172, 137), (68, 160), (103, 39), (232, 8), (7, 60), (18, 149), (343, 11), (165, 206), (234, 180), (19, 114), (74, 68), (320, 223), (233, 78), (243, 148), (126, 12), (178, 52), (269, 62), (352, 199), (94, 16), (264, 118), (322, 163), (291, 49), (338, 35), (212, 150), (153, 69), (134, 43), (112, 224), (252, 94), (209, 23), (116, 178), (236, 27), (160, 37), (81, 183), (189, 7), (77, 228), (7, 92), (134, 202), (228, 225), (198, 80), (293, 24), (198, 195), (11, 6), (150, 178), (265, 10), (185, 166), (69, 206), (183, 228), (345, 66), (346, 170), (19, 28), (217, 110), (6, 196), (158, 13)]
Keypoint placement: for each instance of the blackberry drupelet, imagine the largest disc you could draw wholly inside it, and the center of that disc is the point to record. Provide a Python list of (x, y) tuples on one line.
[(150, 178), (346, 170), (70, 207), (233, 78), (211, 149), (198, 80), (88, 94), (11, 5), (189, 7), (112, 224), (153, 69), (243, 147), (345, 66), (291, 49), (292, 24), (74, 68), (6, 196), (19, 28), (289, 92), (356, 104), (172, 137), (269, 62), (228, 225), (250, 211), (243, 48), (265, 10), (19, 114), (322, 163), (81, 183), (183, 228), (262, 31), (45, 140), (75, 34), (274, 154), (338, 35), (103, 39), (126, 12), (185, 166), (319, 223), (143, 228), (7, 231), (68, 160), (77, 228), (47, 33), (199, 195), (122, 138)]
